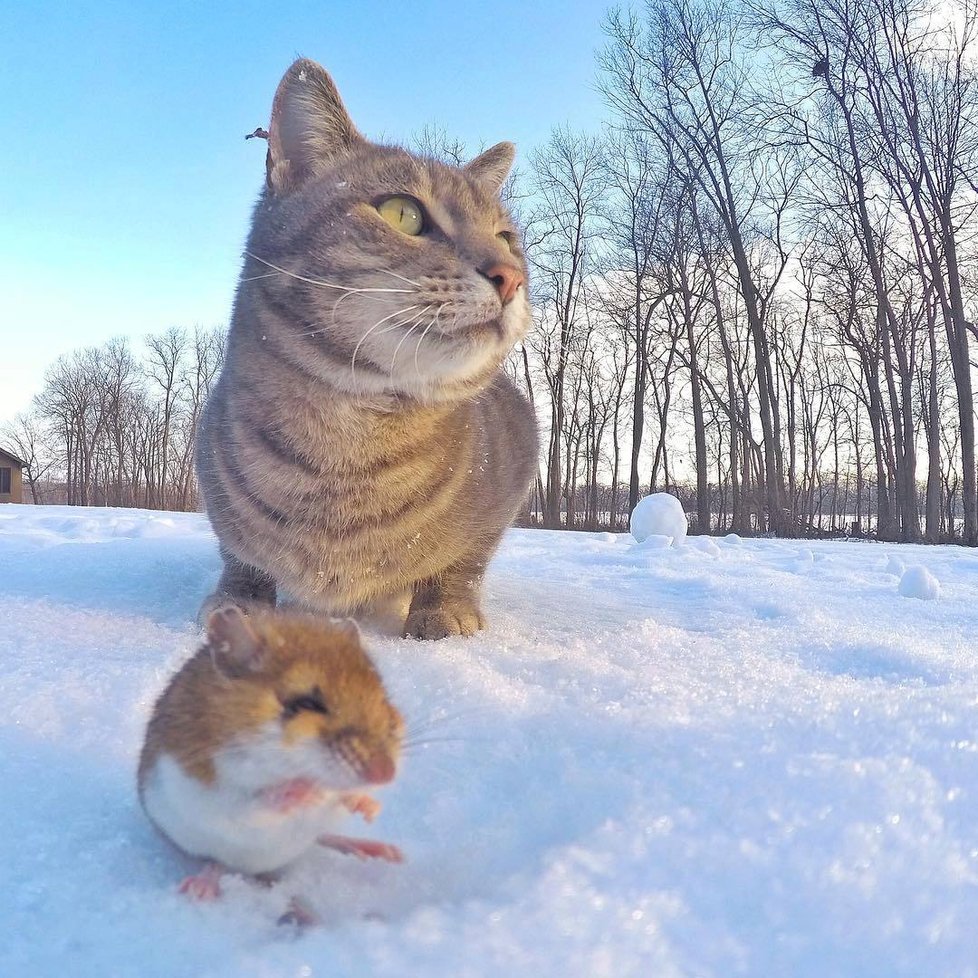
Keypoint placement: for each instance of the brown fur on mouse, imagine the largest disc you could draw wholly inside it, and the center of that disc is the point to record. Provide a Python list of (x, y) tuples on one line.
[(263, 739)]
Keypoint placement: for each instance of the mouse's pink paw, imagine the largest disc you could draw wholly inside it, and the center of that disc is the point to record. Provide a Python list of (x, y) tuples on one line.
[(363, 805), (287, 796), (362, 848), (205, 886)]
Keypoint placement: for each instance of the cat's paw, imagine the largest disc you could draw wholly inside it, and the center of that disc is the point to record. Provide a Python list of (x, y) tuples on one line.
[(441, 622), (221, 599)]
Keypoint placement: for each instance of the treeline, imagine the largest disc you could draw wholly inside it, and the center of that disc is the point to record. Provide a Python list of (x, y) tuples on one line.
[(113, 428), (755, 280), (836, 509), (753, 287)]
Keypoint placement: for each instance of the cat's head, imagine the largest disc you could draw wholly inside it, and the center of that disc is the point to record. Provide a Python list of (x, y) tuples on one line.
[(376, 269)]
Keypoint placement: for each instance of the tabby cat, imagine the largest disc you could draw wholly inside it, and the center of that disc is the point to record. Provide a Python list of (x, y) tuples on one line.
[(363, 451)]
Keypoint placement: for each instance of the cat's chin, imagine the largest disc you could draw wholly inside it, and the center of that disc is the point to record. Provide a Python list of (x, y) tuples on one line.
[(504, 330), (462, 356), (451, 369), (493, 330), (456, 370), (439, 364)]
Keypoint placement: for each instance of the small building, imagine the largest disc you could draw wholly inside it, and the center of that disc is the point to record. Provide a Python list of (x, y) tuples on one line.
[(11, 478)]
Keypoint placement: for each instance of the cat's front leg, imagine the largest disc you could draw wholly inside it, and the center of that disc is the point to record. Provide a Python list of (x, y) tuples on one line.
[(240, 584), (448, 604)]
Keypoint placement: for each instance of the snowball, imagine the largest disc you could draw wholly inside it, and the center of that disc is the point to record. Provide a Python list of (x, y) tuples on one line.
[(918, 582), (660, 514), (734, 539)]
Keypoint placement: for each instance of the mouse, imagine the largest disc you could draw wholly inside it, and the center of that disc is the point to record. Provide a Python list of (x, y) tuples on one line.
[(277, 728)]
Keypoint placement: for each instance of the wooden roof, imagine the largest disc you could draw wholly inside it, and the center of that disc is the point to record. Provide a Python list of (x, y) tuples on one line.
[(11, 456)]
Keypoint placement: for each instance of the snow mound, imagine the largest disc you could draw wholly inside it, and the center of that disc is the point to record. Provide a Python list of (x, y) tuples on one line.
[(655, 541), (918, 582), (704, 545), (895, 566), (660, 514)]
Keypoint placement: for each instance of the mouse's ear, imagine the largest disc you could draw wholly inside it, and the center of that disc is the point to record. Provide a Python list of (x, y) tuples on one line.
[(236, 649)]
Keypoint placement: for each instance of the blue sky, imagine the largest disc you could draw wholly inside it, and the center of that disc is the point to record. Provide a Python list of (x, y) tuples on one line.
[(125, 181)]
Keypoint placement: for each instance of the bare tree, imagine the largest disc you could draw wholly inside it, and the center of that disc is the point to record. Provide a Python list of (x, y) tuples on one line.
[(26, 436), (567, 182), (679, 77)]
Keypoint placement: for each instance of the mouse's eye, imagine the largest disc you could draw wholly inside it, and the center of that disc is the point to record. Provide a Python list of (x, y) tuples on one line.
[(307, 703)]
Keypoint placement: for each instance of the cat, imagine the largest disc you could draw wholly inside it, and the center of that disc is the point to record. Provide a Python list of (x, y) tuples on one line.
[(363, 450)]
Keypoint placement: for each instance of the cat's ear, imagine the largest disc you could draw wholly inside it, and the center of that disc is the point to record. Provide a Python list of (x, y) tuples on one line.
[(309, 127), (492, 167)]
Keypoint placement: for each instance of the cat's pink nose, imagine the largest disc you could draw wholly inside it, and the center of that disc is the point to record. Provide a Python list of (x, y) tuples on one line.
[(506, 278)]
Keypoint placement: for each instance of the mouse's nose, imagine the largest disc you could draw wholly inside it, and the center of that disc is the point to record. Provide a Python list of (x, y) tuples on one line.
[(506, 278), (379, 768)]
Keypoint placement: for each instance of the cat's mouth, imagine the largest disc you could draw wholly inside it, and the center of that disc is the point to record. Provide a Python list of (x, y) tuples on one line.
[(490, 328), (504, 327)]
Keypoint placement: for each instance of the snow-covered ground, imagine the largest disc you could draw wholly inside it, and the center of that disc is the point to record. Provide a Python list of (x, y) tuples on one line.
[(724, 758)]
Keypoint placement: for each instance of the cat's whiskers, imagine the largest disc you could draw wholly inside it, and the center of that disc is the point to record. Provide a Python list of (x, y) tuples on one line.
[(373, 298), (399, 345), (320, 282), (416, 319), (323, 329), (410, 281), (386, 329), (417, 349), (356, 349), (345, 295), (254, 278)]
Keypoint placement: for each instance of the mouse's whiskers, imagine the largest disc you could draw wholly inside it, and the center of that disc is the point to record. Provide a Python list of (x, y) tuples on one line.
[(440, 719)]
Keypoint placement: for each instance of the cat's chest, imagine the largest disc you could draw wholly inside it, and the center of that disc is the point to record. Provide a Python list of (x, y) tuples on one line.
[(350, 510), (355, 469)]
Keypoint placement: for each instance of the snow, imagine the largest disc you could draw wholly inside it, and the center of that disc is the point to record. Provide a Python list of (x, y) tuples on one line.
[(753, 758), (894, 565), (660, 514), (918, 582)]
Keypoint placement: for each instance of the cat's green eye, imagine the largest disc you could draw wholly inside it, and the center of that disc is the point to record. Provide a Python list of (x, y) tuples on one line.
[(402, 213)]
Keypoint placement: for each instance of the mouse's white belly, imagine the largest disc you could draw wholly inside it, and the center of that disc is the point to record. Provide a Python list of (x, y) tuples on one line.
[(227, 825)]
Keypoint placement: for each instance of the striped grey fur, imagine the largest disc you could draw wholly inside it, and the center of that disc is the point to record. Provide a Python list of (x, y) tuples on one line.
[(363, 451)]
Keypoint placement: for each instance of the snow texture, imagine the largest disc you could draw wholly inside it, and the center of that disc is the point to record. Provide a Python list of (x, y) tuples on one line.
[(661, 515), (918, 582), (753, 758)]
